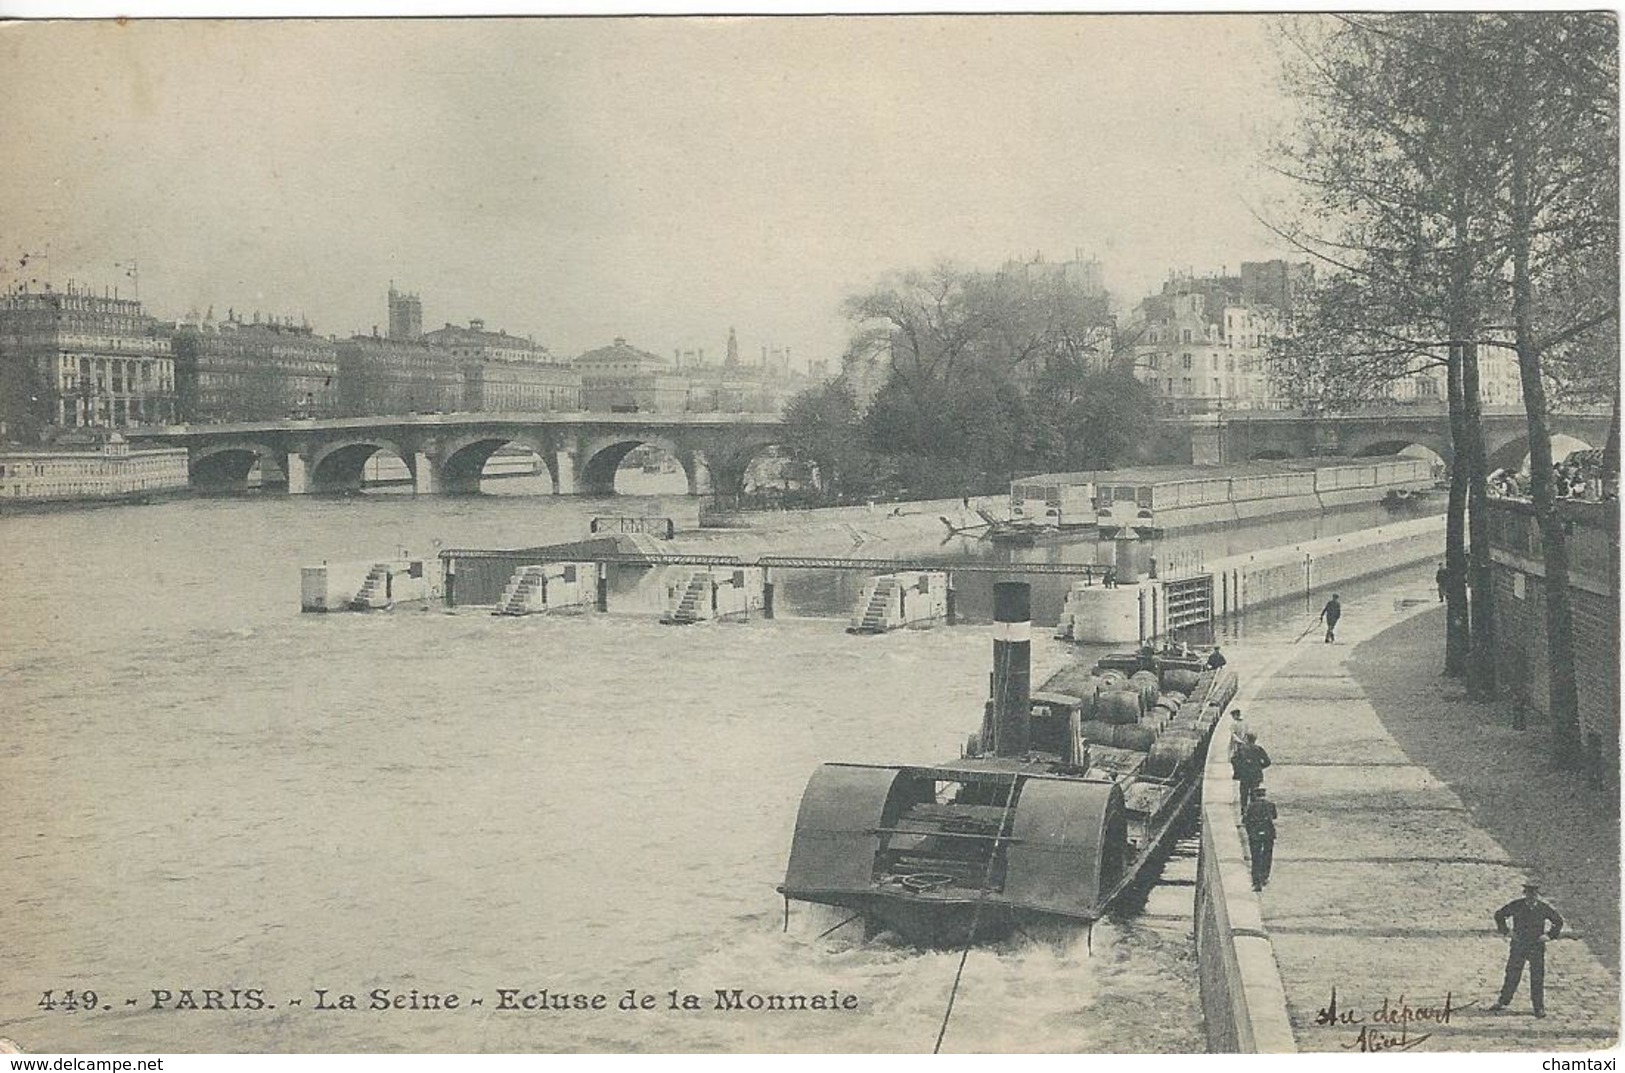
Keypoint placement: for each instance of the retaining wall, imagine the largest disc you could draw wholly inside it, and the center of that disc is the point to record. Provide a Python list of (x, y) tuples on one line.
[(1243, 1001), (1293, 571)]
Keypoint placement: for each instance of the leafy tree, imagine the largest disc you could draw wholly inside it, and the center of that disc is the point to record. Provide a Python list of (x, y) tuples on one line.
[(971, 360), (823, 425)]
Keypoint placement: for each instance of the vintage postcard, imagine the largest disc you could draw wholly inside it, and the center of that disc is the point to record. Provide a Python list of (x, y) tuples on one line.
[(866, 534)]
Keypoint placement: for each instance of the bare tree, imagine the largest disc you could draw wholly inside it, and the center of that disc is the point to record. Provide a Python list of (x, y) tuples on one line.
[(1559, 74), (1399, 202)]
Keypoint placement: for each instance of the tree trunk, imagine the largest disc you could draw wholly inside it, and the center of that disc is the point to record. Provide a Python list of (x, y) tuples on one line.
[(1481, 679), (1562, 689), (1455, 530), (1610, 450)]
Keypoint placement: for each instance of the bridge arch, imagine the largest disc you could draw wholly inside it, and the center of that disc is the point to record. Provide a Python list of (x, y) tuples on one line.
[(1513, 455), (224, 467), (339, 466), (598, 460), (1392, 443), (461, 461)]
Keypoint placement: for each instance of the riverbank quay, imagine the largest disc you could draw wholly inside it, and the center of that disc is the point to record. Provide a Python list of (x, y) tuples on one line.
[(1408, 815)]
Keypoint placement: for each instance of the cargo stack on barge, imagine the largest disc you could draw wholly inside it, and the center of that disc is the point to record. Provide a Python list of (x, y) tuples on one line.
[(1062, 800)]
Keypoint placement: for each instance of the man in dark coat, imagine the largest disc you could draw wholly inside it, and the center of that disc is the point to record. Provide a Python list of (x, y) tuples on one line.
[(1528, 916), (1329, 615), (1216, 659), (1259, 820), (1247, 766)]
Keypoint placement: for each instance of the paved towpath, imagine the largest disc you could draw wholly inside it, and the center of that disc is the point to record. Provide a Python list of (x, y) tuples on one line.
[(1408, 815)]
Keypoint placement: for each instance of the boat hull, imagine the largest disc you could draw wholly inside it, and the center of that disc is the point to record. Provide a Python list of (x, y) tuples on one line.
[(1056, 831)]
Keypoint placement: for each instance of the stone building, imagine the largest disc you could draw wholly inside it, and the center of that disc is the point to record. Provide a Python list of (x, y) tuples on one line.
[(1499, 381), (379, 376), (254, 371), (405, 314), (1276, 284), (1202, 347), (88, 465), (1518, 572), (503, 372), (72, 358), (620, 378)]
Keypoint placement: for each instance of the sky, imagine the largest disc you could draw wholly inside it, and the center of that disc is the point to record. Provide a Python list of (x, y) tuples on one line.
[(658, 179)]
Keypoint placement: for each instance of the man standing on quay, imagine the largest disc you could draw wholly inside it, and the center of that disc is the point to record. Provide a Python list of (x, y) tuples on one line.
[(1247, 765), (1329, 615), (1529, 916), (1259, 820)]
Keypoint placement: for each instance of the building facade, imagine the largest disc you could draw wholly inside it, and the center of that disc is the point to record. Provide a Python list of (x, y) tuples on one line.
[(74, 359), (1205, 356), (80, 466), (257, 371), (620, 378), (503, 372), (1500, 383), (380, 376)]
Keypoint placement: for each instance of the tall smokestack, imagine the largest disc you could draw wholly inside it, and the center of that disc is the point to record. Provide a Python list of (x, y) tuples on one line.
[(1012, 667)]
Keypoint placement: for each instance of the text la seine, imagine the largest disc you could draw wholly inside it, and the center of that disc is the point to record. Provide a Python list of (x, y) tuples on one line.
[(381, 999)]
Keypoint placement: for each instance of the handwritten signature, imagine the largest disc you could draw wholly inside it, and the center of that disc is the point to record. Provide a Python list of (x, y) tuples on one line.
[(1388, 1026)]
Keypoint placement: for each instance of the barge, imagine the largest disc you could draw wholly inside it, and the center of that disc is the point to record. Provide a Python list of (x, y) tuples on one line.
[(1059, 804), (1155, 499)]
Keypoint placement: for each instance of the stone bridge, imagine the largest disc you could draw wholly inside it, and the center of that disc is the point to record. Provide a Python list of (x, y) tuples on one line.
[(1243, 435), (447, 452)]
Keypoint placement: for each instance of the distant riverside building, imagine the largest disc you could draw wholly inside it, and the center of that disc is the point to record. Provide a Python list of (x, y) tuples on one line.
[(71, 358), (1084, 273), (89, 465), (622, 378), (505, 372), (1276, 284), (405, 314), (237, 371), (737, 385), (1204, 342), (1499, 381), (379, 376), (477, 343)]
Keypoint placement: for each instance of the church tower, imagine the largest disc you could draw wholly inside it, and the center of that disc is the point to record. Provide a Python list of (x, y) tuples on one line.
[(733, 349)]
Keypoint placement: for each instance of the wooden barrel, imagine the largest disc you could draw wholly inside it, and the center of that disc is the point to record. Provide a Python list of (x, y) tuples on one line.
[(1097, 733), (1146, 683), (1178, 678), (1134, 736), (1118, 706), (1224, 687), (1169, 755), (1169, 702), (1110, 680), (1195, 738)]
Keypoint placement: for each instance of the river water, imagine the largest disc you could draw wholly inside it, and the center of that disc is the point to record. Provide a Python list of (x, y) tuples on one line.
[(203, 788)]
